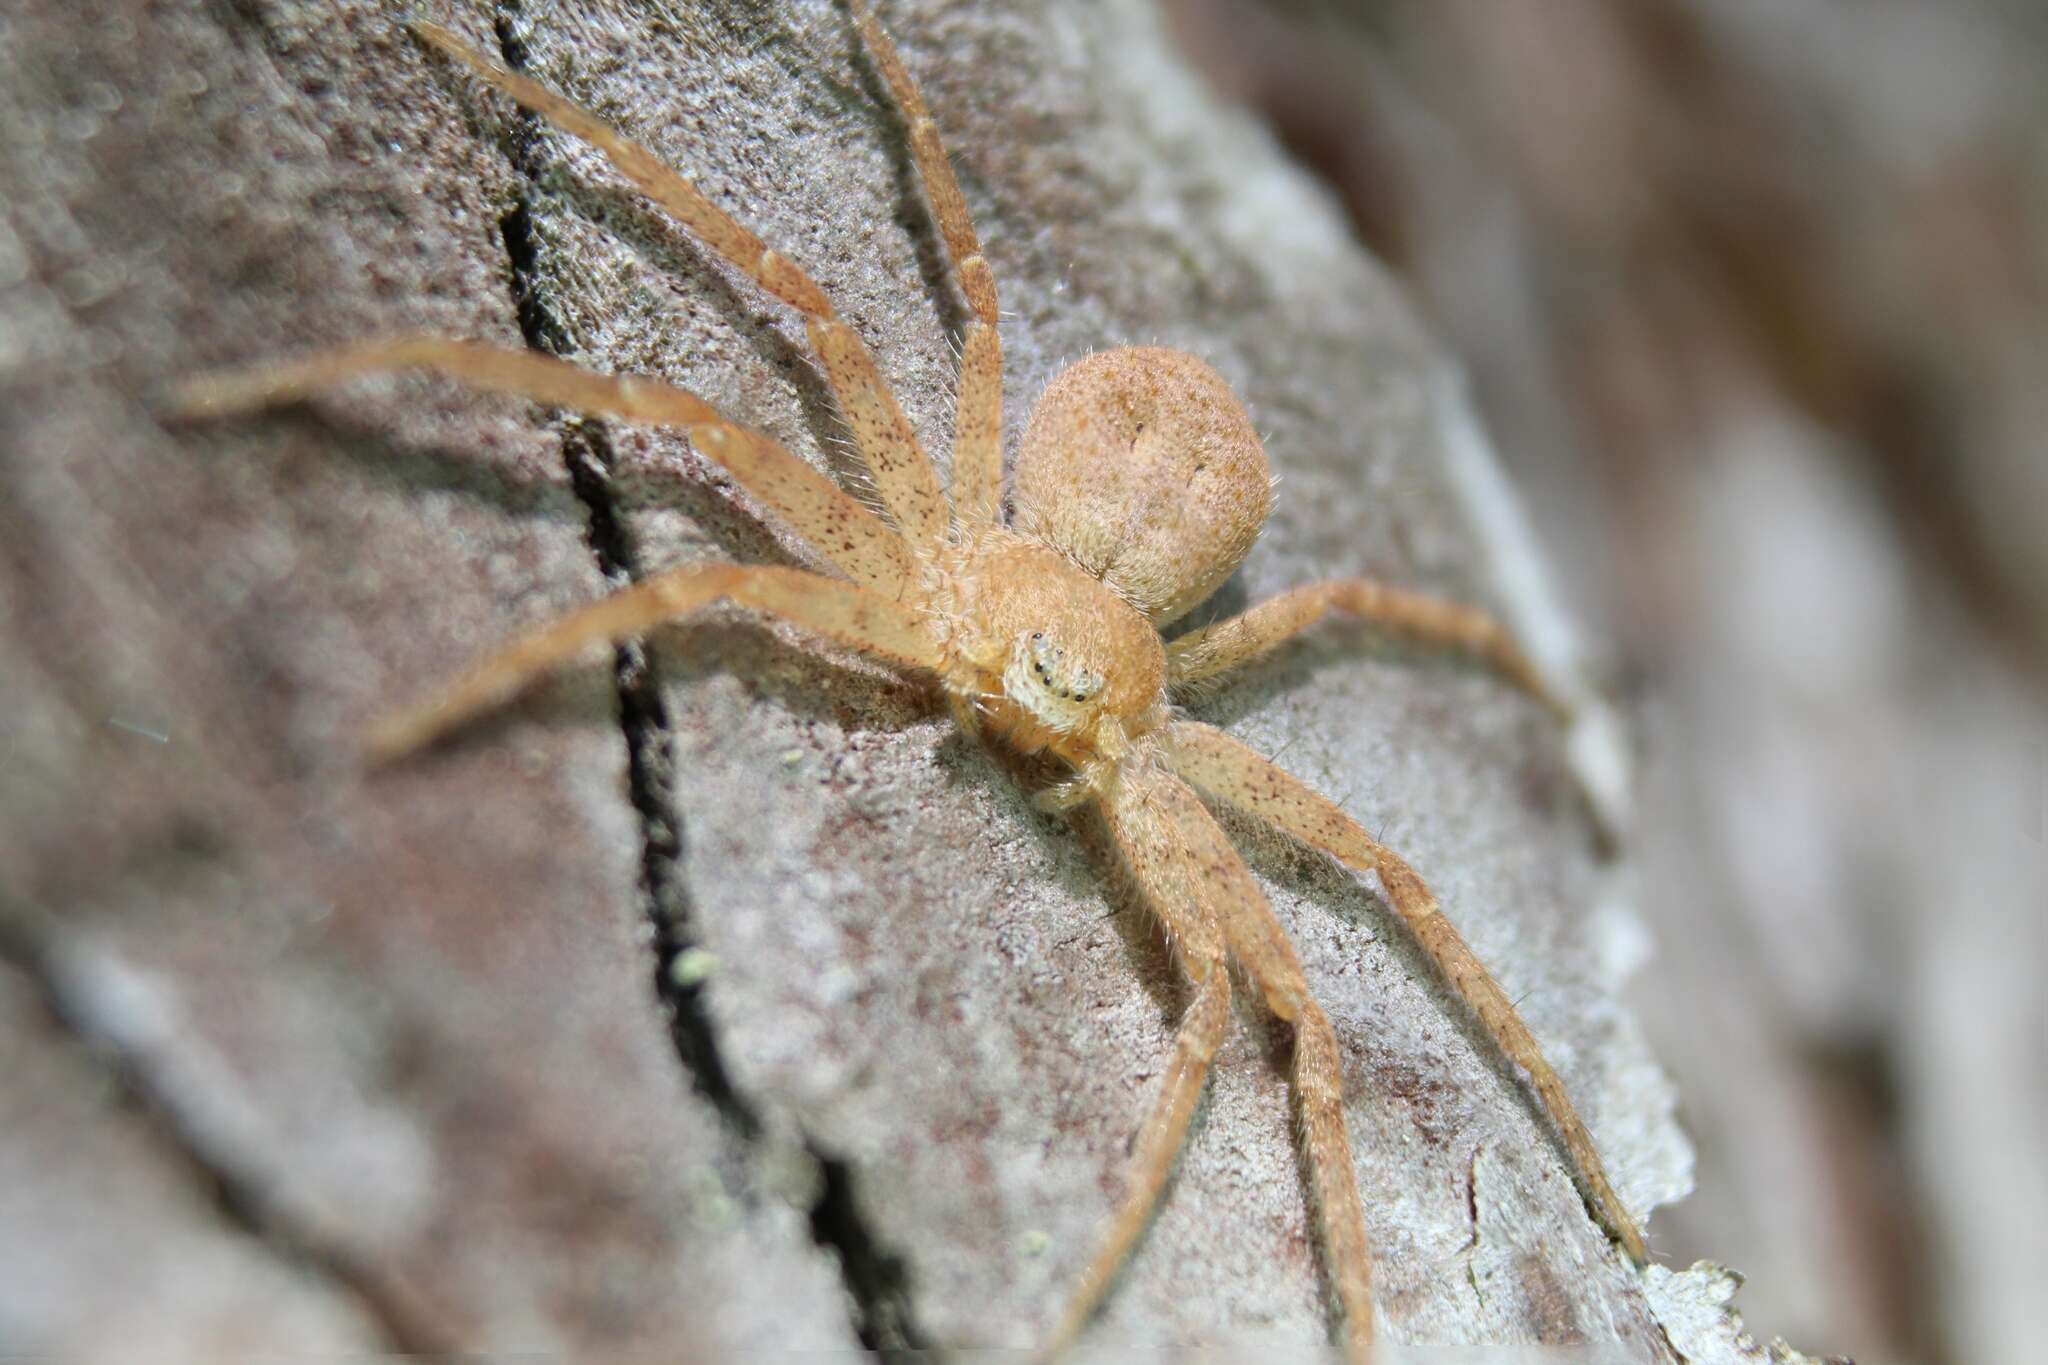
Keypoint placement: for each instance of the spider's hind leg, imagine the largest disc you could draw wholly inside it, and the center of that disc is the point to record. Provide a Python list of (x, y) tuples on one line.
[(903, 475), (978, 425)]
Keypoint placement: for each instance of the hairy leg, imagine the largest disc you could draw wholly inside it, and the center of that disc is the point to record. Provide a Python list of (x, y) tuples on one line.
[(1232, 772), (1215, 650), (1214, 875), (1319, 1102), (831, 607), (903, 475), (1144, 834), (828, 519), (1202, 1030), (978, 429)]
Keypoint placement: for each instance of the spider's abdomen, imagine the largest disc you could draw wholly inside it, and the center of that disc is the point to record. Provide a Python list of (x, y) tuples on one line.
[(1060, 650), (1141, 466)]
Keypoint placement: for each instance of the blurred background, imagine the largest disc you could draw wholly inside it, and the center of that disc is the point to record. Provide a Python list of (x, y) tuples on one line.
[(1752, 295)]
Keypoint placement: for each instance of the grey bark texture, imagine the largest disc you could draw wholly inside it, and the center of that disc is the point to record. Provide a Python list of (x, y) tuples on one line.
[(1759, 292), (724, 1000)]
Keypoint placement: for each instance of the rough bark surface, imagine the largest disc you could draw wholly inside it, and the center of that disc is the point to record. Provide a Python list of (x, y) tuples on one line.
[(1759, 291), (723, 998)]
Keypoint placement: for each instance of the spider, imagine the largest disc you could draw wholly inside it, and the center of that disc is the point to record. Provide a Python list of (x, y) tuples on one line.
[(1138, 487)]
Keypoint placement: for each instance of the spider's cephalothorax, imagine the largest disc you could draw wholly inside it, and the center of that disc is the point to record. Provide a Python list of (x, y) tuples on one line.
[(1042, 652), (1139, 487)]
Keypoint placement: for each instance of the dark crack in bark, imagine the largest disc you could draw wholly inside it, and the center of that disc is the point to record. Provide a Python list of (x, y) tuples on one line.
[(643, 716), (878, 1278), (875, 1277)]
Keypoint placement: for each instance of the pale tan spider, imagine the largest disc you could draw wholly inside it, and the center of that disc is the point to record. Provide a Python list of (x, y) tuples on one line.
[(1138, 487)]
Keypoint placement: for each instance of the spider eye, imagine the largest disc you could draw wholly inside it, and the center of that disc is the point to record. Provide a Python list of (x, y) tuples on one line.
[(1053, 672)]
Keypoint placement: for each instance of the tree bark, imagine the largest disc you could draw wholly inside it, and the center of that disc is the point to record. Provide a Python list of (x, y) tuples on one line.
[(725, 998)]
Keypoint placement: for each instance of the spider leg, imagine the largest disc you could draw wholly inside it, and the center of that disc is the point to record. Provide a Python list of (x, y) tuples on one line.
[(1201, 1032), (1192, 877), (1143, 829), (902, 473), (1234, 773), (1214, 650), (824, 514), (831, 607), (978, 428)]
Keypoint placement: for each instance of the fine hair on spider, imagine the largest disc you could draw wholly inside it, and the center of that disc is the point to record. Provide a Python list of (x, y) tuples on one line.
[(1138, 487)]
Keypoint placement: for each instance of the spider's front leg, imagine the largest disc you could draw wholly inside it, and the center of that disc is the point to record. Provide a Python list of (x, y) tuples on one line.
[(1144, 833), (1236, 774), (1193, 879)]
